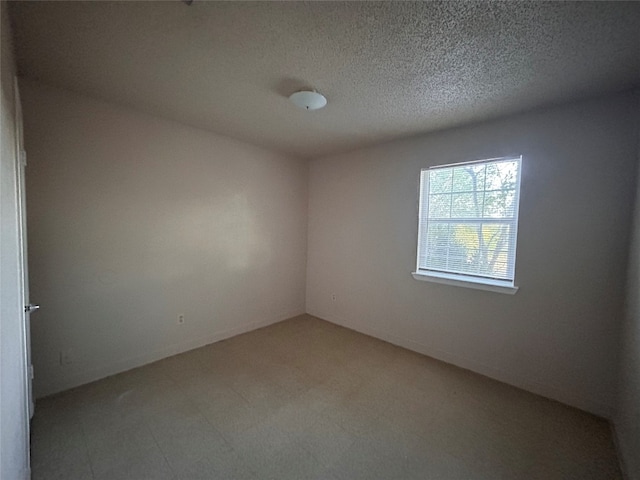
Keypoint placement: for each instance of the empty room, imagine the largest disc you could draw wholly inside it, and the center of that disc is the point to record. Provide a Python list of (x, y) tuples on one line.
[(320, 240)]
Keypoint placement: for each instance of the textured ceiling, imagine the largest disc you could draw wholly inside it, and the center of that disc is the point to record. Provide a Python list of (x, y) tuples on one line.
[(388, 69)]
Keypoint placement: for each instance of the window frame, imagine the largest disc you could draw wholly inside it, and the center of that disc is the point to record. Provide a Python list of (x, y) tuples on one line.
[(460, 279)]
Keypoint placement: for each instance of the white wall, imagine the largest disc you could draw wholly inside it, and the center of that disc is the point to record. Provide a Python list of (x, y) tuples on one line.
[(14, 459), (558, 336), (135, 219), (627, 419)]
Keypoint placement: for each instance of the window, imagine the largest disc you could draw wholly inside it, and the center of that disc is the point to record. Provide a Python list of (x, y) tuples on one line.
[(468, 224)]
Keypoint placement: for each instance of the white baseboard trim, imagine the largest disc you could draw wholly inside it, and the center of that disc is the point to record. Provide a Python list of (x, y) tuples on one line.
[(93, 375), (547, 391)]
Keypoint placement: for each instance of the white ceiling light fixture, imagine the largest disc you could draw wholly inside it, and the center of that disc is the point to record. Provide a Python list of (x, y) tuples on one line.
[(308, 99)]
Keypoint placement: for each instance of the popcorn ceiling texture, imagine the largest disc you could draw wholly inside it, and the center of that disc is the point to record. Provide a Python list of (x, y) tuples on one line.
[(388, 69)]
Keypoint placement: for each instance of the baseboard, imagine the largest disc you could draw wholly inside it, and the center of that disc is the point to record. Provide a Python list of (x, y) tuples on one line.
[(526, 384), (153, 356)]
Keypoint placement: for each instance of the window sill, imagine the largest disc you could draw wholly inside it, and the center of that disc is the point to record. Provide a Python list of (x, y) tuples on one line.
[(456, 280)]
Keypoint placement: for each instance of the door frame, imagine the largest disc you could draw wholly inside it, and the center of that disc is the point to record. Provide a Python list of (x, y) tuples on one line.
[(21, 162)]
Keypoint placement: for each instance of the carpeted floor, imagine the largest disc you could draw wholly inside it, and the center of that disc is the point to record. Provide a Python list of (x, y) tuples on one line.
[(305, 399)]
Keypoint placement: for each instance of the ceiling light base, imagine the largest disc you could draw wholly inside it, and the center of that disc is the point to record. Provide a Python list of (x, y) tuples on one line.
[(308, 100)]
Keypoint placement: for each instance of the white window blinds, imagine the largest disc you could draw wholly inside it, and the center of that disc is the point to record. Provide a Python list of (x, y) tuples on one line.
[(468, 219)]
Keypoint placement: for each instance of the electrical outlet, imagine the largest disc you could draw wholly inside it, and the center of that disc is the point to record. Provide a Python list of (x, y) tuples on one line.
[(181, 319), (333, 297), (66, 357)]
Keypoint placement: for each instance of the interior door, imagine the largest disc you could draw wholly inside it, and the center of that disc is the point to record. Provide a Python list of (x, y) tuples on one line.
[(22, 232)]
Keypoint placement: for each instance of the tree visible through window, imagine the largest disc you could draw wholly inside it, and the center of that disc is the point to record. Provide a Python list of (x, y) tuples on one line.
[(469, 219)]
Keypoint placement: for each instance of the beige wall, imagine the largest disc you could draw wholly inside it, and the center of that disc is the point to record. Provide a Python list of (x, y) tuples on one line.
[(14, 441), (135, 219), (558, 335), (627, 420)]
